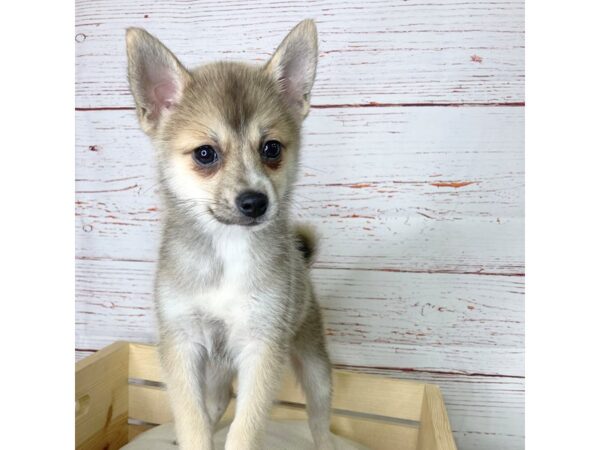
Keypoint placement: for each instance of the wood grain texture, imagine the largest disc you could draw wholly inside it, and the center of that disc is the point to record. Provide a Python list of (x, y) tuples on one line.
[(420, 208), (438, 322), (379, 184), (110, 383), (375, 52), (434, 432), (485, 412), (101, 399)]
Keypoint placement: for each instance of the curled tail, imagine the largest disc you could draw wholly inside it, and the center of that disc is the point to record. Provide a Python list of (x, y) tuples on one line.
[(306, 242)]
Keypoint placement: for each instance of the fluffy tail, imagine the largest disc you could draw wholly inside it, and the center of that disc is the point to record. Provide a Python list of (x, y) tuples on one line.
[(306, 242)]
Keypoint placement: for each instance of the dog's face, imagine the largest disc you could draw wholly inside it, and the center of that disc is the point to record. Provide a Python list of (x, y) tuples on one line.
[(227, 134)]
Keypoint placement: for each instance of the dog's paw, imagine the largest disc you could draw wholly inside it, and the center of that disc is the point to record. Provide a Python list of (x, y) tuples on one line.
[(239, 440)]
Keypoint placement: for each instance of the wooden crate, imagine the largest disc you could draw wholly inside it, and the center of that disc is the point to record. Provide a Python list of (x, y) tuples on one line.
[(119, 393)]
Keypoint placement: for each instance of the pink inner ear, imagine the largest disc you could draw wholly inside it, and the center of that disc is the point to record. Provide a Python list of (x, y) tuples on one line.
[(293, 77), (165, 94), (292, 92)]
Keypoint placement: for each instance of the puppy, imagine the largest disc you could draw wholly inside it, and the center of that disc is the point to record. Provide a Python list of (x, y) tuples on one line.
[(233, 294)]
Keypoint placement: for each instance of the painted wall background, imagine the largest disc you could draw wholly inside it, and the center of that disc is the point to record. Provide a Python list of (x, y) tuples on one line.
[(412, 171)]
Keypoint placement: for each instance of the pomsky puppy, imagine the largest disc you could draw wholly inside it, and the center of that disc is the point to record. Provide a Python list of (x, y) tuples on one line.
[(233, 294)]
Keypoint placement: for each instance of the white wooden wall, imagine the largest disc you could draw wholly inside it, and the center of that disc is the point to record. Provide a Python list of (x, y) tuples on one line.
[(412, 171)]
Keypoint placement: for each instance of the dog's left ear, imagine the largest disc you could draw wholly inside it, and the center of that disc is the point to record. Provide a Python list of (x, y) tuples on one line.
[(156, 78), (294, 66)]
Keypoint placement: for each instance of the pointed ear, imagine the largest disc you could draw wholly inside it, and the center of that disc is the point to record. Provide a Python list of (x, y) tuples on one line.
[(294, 66), (156, 77)]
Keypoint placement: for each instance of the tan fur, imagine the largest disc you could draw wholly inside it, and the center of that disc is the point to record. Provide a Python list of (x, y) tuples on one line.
[(233, 293)]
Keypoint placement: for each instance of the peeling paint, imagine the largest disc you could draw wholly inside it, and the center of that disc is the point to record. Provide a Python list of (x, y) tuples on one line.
[(453, 184), (357, 216)]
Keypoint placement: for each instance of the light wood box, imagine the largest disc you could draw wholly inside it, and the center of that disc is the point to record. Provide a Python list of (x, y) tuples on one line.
[(119, 393)]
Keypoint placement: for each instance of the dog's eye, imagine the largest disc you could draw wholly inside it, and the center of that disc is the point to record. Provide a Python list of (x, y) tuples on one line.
[(205, 155), (271, 150)]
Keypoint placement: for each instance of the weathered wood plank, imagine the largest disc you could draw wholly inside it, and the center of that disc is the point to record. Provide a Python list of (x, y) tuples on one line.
[(434, 430), (101, 400), (379, 51), (413, 189), (395, 192), (485, 412), (437, 322)]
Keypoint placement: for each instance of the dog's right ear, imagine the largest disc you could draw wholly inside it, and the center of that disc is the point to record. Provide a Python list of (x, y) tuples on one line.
[(156, 78), (294, 65)]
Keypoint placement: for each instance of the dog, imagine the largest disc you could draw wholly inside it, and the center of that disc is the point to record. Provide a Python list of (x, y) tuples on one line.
[(232, 291)]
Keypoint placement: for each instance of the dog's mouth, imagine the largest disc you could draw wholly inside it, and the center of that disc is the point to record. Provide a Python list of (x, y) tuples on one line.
[(238, 220)]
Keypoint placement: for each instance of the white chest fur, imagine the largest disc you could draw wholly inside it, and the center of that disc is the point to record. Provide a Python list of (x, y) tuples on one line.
[(227, 300)]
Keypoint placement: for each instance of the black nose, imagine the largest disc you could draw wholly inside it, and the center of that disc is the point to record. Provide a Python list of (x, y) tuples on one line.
[(252, 204)]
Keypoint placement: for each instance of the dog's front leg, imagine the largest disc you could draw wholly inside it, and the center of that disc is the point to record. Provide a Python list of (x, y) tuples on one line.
[(260, 367), (181, 362)]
